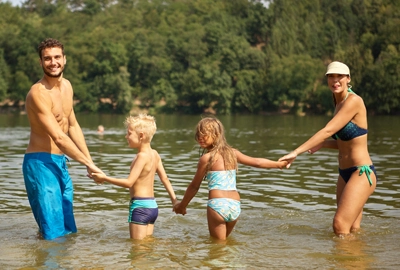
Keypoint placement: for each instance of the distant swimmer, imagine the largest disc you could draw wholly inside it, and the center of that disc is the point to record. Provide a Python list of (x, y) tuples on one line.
[(100, 129)]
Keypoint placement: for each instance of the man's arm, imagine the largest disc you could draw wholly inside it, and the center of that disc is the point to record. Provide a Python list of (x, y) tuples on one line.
[(76, 135), (39, 106)]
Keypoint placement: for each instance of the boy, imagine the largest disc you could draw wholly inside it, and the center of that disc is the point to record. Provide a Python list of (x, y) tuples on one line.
[(143, 209)]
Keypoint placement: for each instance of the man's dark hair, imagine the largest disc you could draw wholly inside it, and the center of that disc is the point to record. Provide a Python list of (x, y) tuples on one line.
[(49, 43)]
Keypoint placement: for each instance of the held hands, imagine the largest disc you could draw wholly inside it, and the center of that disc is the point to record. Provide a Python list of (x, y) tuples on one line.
[(282, 164), (289, 158), (179, 209), (99, 178), (91, 169), (94, 171), (175, 202)]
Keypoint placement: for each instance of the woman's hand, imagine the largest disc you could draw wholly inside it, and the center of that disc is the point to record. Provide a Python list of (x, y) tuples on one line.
[(289, 158), (282, 164)]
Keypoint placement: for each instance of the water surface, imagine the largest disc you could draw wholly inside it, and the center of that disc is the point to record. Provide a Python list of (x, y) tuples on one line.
[(286, 214)]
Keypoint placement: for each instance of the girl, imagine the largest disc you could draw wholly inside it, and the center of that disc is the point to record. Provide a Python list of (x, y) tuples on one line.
[(218, 166), (348, 128)]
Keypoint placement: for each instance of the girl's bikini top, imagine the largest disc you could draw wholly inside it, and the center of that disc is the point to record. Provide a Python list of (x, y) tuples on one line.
[(350, 130), (222, 180)]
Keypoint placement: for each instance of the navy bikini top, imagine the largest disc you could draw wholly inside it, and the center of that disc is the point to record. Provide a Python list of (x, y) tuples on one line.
[(350, 130)]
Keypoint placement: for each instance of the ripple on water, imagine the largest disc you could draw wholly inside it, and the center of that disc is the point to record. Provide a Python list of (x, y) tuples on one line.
[(286, 214)]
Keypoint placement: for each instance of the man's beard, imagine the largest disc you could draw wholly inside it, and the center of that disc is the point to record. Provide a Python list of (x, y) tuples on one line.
[(57, 75)]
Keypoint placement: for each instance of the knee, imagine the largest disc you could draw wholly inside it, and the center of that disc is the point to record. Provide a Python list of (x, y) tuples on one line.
[(339, 226)]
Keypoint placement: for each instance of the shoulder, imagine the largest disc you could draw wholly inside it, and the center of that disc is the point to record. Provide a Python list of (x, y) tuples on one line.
[(236, 152), (143, 154), (354, 100), (37, 93), (66, 84), (156, 154), (143, 158), (204, 158), (36, 88)]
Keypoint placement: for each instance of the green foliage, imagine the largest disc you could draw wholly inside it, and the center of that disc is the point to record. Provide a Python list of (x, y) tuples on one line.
[(195, 56), (4, 76), (386, 97)]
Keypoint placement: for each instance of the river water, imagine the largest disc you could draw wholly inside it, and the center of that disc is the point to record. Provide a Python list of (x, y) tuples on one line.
[(286, 214)]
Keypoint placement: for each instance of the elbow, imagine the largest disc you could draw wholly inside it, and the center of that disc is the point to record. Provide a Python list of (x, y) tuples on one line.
[(194, 189), (128, 185), (261, 163), (327, 133), (60, 140)]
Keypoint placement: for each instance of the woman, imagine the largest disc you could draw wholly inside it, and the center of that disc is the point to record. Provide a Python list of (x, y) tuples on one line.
[(348, 128)]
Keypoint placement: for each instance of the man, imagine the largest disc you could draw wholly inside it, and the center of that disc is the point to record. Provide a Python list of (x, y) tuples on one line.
[(55, 133)]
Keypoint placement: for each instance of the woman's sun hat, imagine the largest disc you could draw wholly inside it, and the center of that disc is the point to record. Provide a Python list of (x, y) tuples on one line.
[(337, 68)]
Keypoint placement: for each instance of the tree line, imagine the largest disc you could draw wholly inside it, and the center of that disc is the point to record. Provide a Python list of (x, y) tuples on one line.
[(193, 56)]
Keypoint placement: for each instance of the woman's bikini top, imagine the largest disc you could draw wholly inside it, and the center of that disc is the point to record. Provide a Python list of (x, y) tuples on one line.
[(350, 130), (222, 180)]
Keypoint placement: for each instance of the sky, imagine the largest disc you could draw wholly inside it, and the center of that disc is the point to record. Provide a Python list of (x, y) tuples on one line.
[(13, 2)]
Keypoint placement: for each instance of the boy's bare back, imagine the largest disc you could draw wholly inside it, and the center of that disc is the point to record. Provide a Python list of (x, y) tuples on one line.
[(148, 160)]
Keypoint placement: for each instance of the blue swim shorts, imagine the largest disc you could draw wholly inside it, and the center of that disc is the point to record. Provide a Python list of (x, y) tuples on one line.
[(143, 211), (50, 193)]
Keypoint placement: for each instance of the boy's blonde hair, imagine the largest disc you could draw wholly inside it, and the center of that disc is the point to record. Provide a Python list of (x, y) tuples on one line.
[(142, 123), (211, 126)]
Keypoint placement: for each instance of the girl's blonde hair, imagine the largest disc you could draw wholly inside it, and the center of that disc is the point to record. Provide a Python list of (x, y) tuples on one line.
[(142, 123), (210, 126)]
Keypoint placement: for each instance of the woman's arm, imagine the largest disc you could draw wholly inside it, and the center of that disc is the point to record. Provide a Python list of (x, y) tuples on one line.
[(331, 144), (345, 114)]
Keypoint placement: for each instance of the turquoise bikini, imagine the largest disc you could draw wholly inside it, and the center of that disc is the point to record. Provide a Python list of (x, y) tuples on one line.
[(222, 180), (347, 133), (227, 208)]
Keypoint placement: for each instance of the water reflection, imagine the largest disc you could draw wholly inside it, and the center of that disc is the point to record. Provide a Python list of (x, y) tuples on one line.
[(352, 254), (286, 217), (50, 254)]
